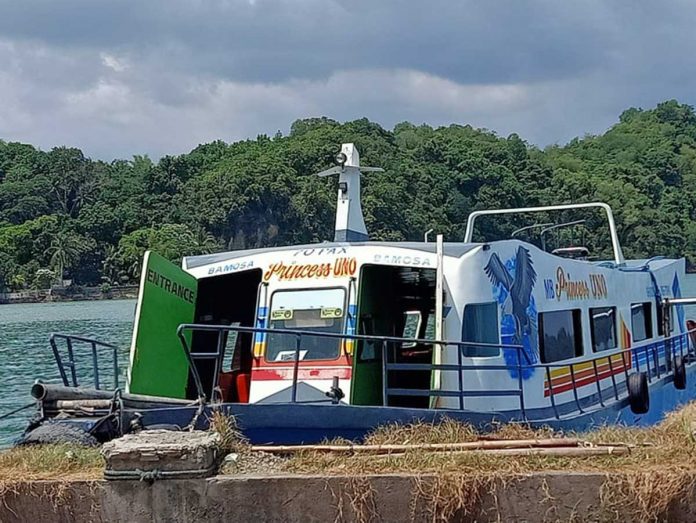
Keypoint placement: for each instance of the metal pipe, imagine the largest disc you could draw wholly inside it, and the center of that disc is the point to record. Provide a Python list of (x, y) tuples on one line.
[(555, 227), (599, 385), (613, 378), (395, 339), (72, 361), (115, 364), (385, 375), (528, 227), (59, 361), (575, 388), (616, 246), (461, 378), (551, 393), (220, 350), (48, 392), (520, 384), (296, 368), (192, 365), (679, 301), (95, 366)]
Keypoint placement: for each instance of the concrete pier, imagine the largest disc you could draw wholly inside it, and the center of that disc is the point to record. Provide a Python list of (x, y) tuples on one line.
[(398, 497)]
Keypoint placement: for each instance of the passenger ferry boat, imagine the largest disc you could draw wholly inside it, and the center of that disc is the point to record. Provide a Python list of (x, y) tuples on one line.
[(306, 342)]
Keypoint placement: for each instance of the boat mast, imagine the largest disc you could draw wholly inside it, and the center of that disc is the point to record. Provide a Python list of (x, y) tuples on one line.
[(350, 224)]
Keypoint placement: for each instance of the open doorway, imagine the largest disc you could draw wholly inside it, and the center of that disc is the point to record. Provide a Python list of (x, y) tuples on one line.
[(398, 302), (226, 300)]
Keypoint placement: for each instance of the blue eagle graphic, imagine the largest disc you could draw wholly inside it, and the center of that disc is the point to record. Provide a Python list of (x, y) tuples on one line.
[(516, 278)]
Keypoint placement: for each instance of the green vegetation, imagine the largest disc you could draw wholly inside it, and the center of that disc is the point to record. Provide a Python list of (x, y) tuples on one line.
[(63, 215)]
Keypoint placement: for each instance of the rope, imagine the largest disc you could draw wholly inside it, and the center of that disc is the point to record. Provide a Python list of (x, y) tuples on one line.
[(117, 409), (32, 404), (150, 476), (199, 411)]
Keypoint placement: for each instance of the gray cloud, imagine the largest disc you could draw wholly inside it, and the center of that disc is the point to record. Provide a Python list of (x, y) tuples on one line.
[(125, 76)]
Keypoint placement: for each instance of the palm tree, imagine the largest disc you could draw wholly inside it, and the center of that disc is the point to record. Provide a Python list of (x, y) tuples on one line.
[(206, 242), (65, 251)]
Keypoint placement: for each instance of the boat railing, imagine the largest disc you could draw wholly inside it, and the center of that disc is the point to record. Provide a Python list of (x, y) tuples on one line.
[(68, 362), (382, 341), (655, 358)]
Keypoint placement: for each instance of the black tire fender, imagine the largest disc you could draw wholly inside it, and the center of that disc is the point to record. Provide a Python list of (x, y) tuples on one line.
[(638, 392), (679, 373), (55, 433)]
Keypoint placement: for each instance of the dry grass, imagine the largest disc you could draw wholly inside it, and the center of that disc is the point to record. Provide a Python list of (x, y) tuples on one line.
[(355, 501), (55, 462), (231, 438), (448, 431), (668, 444)]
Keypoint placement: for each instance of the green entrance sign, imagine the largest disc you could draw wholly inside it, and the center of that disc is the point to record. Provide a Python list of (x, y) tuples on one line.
[(167, 298)]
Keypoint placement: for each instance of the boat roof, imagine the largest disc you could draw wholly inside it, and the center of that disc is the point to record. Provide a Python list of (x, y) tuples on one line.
[(454, 249)]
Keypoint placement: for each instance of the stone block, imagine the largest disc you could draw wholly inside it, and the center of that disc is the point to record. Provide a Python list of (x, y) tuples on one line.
[(162, 454)]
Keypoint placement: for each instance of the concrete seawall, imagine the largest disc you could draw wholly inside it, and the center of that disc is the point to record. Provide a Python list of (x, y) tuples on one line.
[(125, 292), (398, 497)]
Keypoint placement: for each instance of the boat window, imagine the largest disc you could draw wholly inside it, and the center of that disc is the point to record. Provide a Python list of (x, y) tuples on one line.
[(641, 321), (231, 341), (316, 310), (662, 314), (430, 327), (560, 335), (480, 325), (412, 324), (603, 328)]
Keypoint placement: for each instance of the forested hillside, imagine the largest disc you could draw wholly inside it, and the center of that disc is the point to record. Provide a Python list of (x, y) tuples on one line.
[(63, 213)]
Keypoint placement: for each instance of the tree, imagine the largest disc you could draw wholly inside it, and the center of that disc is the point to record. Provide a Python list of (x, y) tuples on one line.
[(93, 220), (65, 251)]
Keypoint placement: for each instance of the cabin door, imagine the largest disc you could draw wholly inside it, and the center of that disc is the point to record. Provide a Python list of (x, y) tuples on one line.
[(167, 298), (394, 302), (230, 300)]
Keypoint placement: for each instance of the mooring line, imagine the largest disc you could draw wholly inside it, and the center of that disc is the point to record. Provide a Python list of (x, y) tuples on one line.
[(17, 410)]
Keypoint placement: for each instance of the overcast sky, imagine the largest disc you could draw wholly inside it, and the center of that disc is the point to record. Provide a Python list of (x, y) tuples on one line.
[(124, 77)]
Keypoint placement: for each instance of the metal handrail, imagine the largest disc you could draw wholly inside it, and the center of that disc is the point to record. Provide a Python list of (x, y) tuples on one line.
[(383, 340), (72, 380), (651, 350)]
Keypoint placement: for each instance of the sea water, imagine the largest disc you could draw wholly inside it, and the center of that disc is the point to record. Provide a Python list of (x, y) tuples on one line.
[(25, 354)]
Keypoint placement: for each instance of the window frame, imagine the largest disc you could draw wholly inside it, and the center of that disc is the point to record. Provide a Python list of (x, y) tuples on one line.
[(647, 321), (578, 338), (344, 320), (419, 324), (464, 348), (613, 310), (660, 312)]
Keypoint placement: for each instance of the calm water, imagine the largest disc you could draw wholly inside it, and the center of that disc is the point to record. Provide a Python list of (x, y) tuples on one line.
[(26, 355)]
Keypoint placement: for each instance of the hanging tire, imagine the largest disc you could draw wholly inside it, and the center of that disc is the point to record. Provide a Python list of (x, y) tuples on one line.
[(56, 433), (679, 373), (638, 393)]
